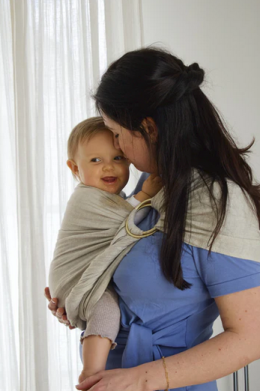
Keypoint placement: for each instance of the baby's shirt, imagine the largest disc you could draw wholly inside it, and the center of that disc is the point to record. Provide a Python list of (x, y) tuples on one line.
[(132, 201)]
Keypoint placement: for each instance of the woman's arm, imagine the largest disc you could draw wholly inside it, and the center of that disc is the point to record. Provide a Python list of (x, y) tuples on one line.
[(236, 347)]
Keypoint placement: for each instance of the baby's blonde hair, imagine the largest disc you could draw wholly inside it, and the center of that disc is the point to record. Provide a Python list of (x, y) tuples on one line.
[(84, 130)]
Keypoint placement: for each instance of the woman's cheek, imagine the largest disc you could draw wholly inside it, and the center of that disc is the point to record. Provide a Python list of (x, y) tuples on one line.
[(127, 152)]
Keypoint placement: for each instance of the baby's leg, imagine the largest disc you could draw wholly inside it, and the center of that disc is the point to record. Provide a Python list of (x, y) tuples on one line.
[(102, 328), (94, 354)]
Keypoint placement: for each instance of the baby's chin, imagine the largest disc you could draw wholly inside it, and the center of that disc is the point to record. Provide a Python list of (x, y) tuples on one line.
[(115, 189), (112, 190)]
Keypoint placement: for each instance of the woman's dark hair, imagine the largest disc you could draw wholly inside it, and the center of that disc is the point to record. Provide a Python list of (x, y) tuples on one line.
[(151, 82)]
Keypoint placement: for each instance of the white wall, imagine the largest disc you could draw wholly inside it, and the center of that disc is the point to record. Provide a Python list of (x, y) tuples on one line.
[(223, 37)]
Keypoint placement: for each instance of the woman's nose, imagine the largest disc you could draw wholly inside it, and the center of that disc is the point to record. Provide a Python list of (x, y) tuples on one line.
[(116, 143)]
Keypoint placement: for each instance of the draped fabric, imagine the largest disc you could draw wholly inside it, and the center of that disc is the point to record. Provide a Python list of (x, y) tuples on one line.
[(52, 55), (90, 222), (93, 216)]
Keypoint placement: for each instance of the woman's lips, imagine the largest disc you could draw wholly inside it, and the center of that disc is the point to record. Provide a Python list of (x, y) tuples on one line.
[(109, 179)]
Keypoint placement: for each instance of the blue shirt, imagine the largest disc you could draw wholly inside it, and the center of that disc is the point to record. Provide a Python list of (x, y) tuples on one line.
[(158, 319)]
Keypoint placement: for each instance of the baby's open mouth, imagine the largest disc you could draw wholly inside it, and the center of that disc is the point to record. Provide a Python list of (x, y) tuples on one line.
[(109, 179)]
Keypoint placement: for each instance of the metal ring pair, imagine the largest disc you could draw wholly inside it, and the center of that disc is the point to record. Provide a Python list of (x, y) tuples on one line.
[(143, 204)]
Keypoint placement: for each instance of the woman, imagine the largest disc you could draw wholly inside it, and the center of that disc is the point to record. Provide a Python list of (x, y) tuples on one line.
[(173, 284)]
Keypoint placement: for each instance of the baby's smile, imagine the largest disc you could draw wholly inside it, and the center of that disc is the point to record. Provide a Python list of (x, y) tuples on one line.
[(109, 179)]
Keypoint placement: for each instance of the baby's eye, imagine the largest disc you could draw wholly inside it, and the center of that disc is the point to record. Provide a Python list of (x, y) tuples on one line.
[(95, 159), (119, 158)]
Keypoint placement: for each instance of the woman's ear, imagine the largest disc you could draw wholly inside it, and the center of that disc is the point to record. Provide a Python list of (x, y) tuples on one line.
[(73, 167), (151, 129)]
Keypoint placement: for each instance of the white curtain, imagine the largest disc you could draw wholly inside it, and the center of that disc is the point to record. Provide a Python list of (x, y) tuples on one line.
[(52, 54)]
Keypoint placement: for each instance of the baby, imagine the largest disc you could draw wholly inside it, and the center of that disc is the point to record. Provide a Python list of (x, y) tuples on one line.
[(97, 164)]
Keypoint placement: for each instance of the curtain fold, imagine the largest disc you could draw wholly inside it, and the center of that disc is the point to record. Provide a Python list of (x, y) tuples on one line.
[(52, 55), (9, 339)]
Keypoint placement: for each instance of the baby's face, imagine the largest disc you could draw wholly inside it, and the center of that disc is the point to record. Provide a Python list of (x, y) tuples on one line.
[(101, 165)]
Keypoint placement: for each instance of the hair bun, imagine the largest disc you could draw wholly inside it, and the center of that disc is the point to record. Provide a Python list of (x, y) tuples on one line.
[(193, 67), (195, 76)]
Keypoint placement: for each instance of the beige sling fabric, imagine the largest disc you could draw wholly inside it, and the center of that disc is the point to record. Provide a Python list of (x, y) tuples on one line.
[(239, 237), (91, 219)]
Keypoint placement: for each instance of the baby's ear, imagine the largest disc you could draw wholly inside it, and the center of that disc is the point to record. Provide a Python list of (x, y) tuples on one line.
[(73, 167)]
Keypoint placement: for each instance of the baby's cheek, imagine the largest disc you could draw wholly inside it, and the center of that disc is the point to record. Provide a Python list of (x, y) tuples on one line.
[(125, 171), (90, 177)]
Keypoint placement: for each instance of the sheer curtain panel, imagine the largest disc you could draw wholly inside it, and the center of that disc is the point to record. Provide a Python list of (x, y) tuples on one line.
[(52, 55)]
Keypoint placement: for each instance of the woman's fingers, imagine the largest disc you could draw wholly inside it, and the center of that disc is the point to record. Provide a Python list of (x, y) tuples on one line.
[(64, 320), (60, 313), (47, 293), (61, 320), (53, 305)]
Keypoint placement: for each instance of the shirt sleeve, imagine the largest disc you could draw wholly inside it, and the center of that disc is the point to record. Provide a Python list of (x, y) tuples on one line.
[(223, 274), (133, 201)]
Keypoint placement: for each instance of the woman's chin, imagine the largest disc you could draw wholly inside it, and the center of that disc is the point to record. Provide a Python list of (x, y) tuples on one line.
[(148, 168)]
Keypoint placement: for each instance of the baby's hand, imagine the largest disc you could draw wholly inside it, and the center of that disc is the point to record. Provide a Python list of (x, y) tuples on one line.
[(152, 185)]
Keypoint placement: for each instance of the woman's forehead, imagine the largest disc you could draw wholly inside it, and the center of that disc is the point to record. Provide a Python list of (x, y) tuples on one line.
[(110, 123), (105, 118)]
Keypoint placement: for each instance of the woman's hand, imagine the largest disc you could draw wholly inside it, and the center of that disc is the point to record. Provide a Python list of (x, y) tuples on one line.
[(60, 313), (131, 379)]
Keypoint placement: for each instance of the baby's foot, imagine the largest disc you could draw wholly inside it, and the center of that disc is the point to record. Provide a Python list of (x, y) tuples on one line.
[(84, 374)]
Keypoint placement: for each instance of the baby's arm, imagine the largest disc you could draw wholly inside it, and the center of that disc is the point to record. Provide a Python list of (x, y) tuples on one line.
[(151, 186), (103, 326)]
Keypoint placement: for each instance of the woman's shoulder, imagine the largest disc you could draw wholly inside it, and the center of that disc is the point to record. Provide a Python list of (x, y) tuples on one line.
[(238, 200), (239, 235)]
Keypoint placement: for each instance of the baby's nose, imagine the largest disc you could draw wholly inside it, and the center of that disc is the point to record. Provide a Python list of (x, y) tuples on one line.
[(108, 166)]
